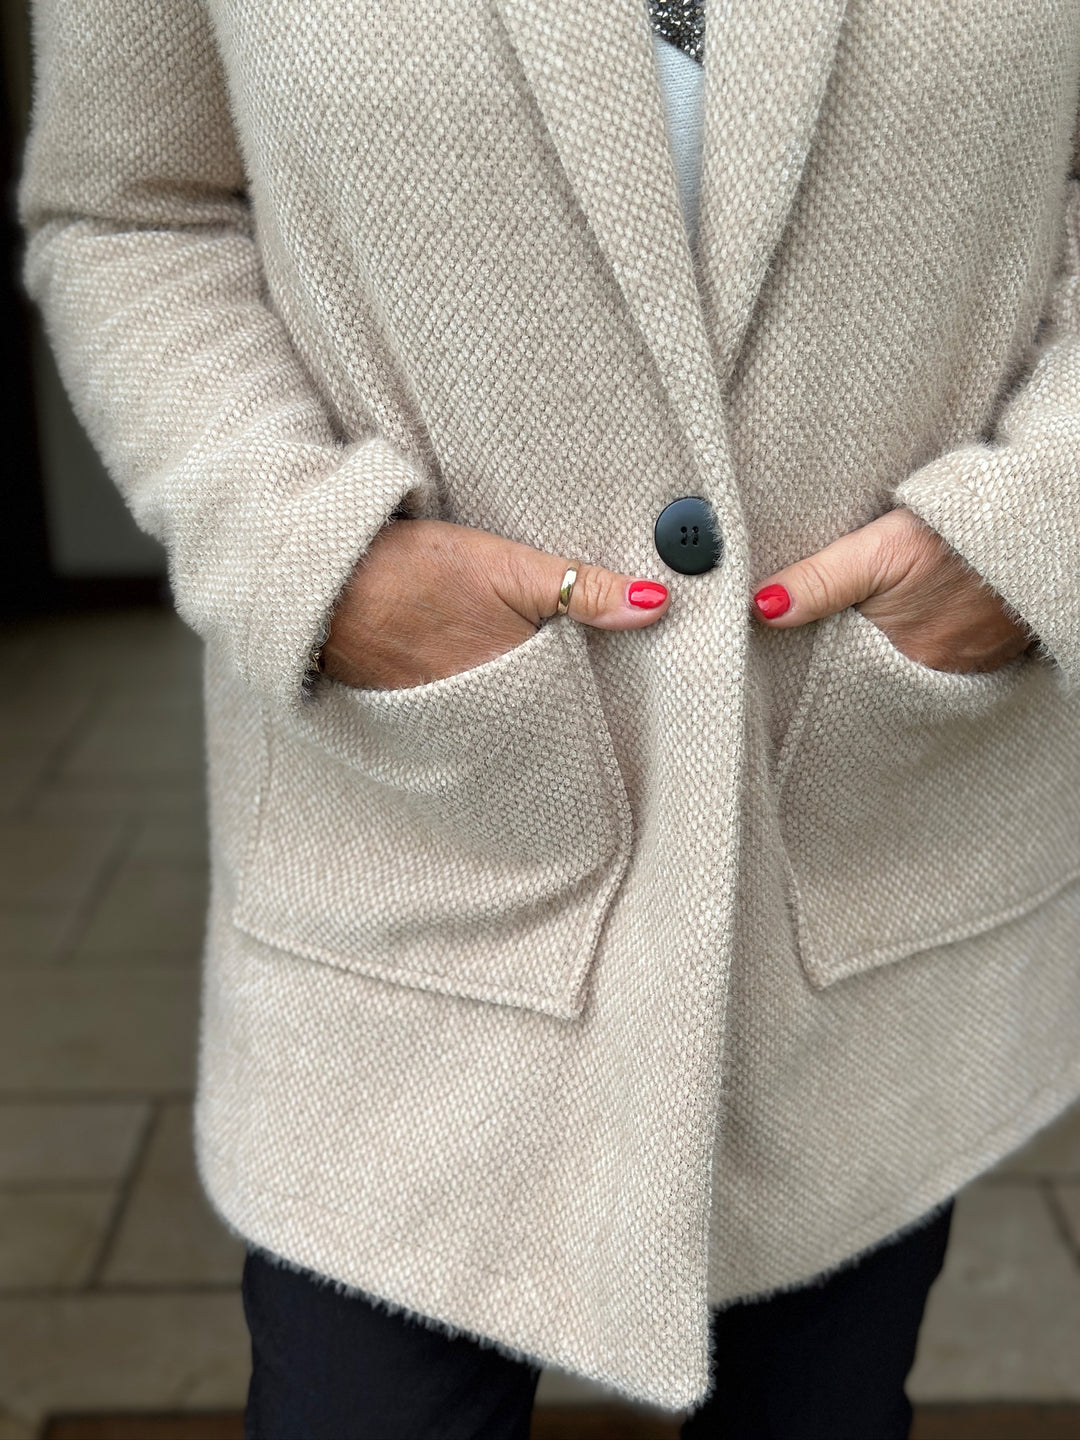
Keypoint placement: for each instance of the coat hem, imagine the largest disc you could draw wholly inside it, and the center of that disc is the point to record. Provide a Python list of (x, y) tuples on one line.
[(1042, 1107), (691, 1397)]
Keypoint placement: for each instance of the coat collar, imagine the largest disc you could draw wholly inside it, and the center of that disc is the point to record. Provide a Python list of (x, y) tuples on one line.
[(590, 66)]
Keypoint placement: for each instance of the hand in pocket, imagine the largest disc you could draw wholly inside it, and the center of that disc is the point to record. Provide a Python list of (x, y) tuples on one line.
[(911, 584), (431, 598)]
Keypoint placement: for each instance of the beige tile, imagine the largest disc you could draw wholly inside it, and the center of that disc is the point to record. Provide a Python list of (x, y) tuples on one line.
[(176, 838), (33, 935), (51, 1237), (1003, 1321), (24, 760), (122, 1352), (42, 707), (1067, 1200), (77, 802), (43, 864), (177, 687), (168, 1235), (17, 647), (556, 1388), (1055, 1151), (46, 1142), (119, 1031), (134, 649), (12, 1428), (138, 737), (149, 913)]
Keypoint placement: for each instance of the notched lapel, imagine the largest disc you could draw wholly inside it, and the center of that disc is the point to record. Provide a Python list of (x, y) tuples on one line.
[(767, 65), (590, 66)]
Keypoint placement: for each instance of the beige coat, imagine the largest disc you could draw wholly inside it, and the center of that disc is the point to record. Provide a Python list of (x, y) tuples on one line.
[(472, 946)]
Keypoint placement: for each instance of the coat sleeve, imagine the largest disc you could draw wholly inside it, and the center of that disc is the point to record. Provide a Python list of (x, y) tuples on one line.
[(1011, 507), (142, 258)]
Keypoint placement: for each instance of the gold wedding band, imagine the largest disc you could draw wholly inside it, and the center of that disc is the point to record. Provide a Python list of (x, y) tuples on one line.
[(566, 589)]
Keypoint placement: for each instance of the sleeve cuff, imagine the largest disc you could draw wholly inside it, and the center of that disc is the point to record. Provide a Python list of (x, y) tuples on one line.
[(330, 527), (1011, 512)]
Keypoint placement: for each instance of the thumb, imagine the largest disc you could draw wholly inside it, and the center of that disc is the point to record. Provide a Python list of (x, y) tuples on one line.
[(847, 572), (598, 597)]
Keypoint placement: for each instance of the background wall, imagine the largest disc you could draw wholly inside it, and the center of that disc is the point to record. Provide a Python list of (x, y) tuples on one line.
[(90, 531), (69, 523)]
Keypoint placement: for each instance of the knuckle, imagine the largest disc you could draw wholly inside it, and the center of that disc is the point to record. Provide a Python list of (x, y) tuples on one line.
[(904, 546), (519, 572), (520, 582), (819, 584), (594, 590), (898, 549), (888, 555)]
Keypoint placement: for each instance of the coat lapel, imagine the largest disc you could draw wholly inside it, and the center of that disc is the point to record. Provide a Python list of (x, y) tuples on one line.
[(767, 64), (590, 66)]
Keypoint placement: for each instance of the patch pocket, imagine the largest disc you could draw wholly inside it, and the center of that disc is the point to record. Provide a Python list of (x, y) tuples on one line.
[(465, 836), (920, 807)]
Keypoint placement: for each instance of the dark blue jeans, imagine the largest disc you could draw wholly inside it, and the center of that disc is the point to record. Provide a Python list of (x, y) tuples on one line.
[(825, 1362)]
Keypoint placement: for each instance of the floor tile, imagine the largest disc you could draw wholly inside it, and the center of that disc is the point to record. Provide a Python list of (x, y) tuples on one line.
[(988, 1421), (136, 650), (24, 761), (62, 800), (53, 863), (51, 1237), (556, 1388), (140, 737), (122, 1352), (39, 717), (1003, 1321), (41, 703), (17, 645), (12, 1428), (1054, 1153), (34, 935), (168, 1235), (612, 1421), (205, 1425), (149, 913), (47, 1142), (116, 1031), (179, 838), (1067, 1198)]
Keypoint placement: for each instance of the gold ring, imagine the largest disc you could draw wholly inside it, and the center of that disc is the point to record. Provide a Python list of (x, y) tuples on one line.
[(566, 589)]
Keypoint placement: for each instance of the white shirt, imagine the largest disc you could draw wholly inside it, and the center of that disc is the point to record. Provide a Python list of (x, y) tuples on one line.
[(682, 85)]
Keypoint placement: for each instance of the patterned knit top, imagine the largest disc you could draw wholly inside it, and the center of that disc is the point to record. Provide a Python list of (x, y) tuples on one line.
[(681, 23)]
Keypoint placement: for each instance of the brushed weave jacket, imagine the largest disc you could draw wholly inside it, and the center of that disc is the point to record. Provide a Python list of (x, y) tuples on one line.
[(627, 973)]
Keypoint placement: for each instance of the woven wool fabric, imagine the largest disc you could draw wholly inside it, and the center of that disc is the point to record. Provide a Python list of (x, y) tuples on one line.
[(627, 973)]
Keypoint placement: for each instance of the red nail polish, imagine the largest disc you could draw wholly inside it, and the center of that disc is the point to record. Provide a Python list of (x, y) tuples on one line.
[(646, 594), (773, 601)]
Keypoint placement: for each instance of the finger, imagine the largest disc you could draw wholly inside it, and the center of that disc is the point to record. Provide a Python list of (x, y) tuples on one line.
[(844, 573), (600, 597), (611, 601)]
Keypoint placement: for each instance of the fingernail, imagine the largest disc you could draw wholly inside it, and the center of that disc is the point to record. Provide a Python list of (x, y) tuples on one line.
[(773, 601), (646, 594)]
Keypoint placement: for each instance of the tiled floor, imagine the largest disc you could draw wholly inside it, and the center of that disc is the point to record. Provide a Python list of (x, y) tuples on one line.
[(118, 1288)]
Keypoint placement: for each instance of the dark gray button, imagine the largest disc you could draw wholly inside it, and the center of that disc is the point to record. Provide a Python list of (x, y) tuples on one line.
[(687, 537)]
